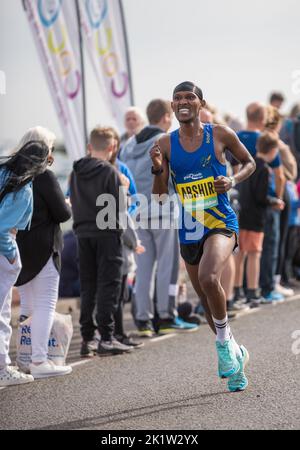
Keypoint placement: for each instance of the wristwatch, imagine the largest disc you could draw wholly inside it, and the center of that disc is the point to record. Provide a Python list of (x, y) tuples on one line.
[(233, 181), (157, 171)]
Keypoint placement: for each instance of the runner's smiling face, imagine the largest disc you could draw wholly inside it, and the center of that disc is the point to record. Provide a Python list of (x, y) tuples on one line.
[(186, 106)]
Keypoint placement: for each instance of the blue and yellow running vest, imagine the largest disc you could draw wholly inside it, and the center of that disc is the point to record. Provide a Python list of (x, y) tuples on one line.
[(193, 175)]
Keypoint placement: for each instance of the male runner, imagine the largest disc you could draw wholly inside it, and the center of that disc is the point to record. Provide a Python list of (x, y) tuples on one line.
[(194, 155)]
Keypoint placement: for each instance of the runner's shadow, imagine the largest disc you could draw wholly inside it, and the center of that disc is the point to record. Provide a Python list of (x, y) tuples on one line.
[(97, 421)]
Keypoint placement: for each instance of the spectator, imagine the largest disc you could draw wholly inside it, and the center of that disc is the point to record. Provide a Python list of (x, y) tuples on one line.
[(131, 245), (254, 200), (276, 100), (134, 121), (16, 205), (228, 283), (233, 122), (39, 278), (256, 119), (206, 116), (290, 132), (289, 165), (99, 242), (124, 170), (292, 242)]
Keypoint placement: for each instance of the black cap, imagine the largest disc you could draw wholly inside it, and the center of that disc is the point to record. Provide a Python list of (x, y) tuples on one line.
[(189, 86)]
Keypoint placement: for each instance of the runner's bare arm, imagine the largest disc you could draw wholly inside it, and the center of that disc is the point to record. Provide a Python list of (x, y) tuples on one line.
[(230, 141), (160, 159)]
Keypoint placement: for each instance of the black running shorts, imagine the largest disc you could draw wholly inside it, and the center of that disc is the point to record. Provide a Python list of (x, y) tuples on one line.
[(192, 253)]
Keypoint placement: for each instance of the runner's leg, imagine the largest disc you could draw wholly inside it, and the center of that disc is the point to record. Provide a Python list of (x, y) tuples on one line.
[(193, 274), (216, 252)]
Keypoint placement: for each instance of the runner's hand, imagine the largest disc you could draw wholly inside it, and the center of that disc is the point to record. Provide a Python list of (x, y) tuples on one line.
[(156, 156), (222, 184)]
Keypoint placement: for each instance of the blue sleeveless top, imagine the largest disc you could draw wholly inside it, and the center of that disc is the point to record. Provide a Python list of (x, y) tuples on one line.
[(193, 174)]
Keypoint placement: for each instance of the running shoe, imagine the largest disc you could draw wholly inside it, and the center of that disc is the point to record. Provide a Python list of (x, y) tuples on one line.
[(239, 381), (285, 291), (237, 306), (272, 297), (10, 376), (127, 340), (228, 364), (112, 347), (169, 326), (88, 348), (145, 329)]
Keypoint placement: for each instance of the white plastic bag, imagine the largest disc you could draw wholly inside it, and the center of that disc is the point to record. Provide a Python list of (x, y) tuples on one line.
[(58, 345)]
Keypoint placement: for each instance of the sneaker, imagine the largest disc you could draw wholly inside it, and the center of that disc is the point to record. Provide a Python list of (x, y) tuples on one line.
[(193, 318), (167, 326), (239, 294), (48, 369), (228, 363), (10, 376), (184, 325), (126, 340), (272, 297), (286, 292), (237, 306), (144, 329), (254, 298), (112, 347), (239, 381), (88, 348), (255, 302)]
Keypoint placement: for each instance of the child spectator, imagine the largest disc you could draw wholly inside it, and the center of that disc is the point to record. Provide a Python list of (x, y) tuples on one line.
[(254, 200), (99, 244)]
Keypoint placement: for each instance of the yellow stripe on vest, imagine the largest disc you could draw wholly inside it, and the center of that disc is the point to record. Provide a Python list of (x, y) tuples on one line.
[(215, 210), (208, 220)]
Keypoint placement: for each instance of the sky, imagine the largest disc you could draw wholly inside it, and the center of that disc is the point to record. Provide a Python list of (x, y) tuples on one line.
[(237, 51)]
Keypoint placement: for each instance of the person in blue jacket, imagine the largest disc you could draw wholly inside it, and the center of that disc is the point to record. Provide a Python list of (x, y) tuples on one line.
[(16, 206)]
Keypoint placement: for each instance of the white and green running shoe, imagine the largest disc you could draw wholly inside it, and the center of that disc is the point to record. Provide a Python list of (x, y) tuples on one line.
[(239, 381), (228, 364)]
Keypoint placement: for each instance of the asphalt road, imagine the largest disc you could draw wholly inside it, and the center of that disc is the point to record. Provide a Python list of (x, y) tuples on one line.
[(172, 384)]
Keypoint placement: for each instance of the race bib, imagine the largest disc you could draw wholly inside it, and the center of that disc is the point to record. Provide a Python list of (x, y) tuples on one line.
[(198, 194)]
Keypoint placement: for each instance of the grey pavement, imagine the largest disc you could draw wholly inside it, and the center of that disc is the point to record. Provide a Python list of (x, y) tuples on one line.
[(172, 384)]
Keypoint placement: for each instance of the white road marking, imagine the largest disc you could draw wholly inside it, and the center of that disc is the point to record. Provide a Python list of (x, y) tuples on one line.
[(161, 338), (80, 363)]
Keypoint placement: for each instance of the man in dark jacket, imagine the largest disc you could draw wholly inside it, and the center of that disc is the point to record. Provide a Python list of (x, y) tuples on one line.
[(95, 187)]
